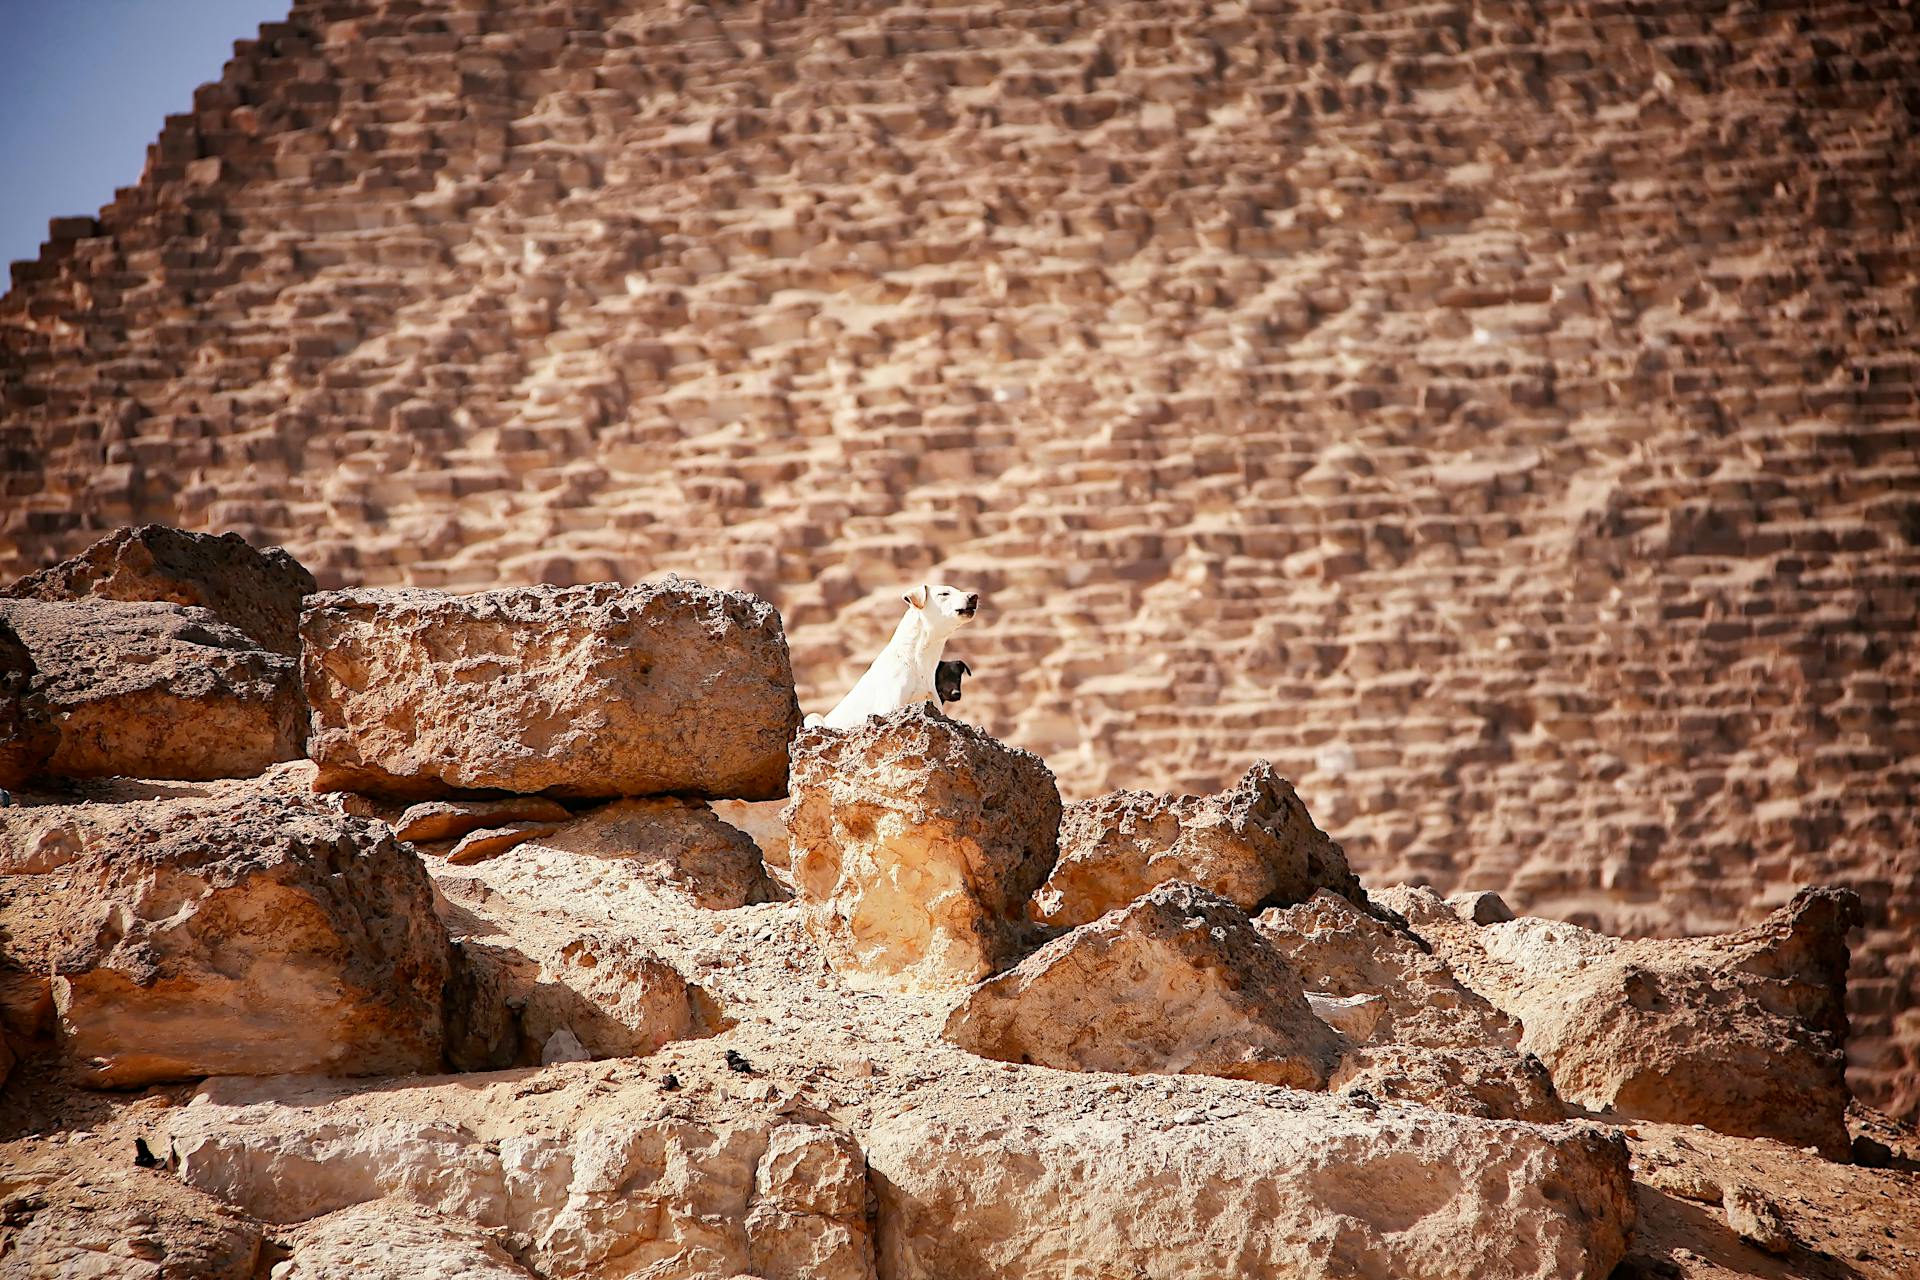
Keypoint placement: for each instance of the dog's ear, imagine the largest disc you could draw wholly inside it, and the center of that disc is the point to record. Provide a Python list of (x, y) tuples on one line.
[(916, 597), (963, 666)]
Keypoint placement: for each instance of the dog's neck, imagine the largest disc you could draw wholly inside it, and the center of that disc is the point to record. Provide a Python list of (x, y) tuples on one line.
[(919, 641)]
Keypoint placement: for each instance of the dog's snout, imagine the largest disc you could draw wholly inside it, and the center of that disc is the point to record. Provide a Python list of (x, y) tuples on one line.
[(973, 601)]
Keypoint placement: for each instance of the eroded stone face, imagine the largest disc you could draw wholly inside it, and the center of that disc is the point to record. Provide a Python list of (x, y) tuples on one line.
[(1340, 950), (258, 592), (673, 1198), (674, 845), (1003, 1189), (151, 690), (247, 935), (612, 995), (581, 691), (1743, 1033), (389, 1238), (1177, 982), (1253, 844), (916, 843), (1490, 1082)]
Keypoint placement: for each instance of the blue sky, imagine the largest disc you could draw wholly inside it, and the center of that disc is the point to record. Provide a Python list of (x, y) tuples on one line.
[(84, 86)]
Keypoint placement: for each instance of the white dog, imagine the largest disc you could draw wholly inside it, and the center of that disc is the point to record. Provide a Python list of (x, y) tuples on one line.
[(903, 673)]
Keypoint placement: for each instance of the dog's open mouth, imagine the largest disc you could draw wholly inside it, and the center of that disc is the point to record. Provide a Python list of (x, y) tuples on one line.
[(969, 611)]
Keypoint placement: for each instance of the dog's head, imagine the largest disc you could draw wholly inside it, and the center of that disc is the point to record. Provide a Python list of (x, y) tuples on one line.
[(947, 609), (946, 679)]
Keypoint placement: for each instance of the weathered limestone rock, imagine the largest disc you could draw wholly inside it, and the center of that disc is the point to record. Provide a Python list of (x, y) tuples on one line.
[(1752, 1216), (388, 1240), (613, 996), (451, 819), (1495, 1084), (674, 846), (580, 691), (1340, 950), (809, 1216), (1743, 1033), (259, 592), (1430, 1040), (247, 935), (478, 846), (1005, 1188), (670, 1198), (78, 1213), (1177, 982), (28, 736), (1253, 844), (151, 690), (917, 840)]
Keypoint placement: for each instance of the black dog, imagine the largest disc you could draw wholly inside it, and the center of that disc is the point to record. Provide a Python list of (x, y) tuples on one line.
[(946, 679)]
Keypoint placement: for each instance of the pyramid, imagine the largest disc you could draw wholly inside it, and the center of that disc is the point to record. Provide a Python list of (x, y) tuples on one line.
[(1501, 417)]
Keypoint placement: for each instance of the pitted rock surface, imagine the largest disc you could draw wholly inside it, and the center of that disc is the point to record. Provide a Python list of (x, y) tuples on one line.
[(916, 843), (1253, 844), (1742, 1033), (581, 691), (257, 591), (1177, 982), (248, 934), (151, 690)]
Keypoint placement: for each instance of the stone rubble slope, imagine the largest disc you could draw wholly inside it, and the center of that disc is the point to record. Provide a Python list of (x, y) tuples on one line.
[(588, 691), (960, 1167), (1744, 1033), (1254, 844), (151, 690), (257, 591), (915, 843)]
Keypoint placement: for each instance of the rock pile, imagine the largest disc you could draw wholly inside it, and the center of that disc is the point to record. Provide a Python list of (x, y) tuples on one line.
[(612, 1045)]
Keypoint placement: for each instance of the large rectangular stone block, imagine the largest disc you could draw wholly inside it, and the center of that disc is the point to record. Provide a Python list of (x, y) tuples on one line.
[(599, 690)]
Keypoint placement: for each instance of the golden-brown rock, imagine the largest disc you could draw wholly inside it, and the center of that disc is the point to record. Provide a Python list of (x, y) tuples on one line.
[(487, 842), (585, 691), (1340, 950), (244, 935), (615, 997), (1493, 1083), (1743, 1033), (258, 592), (1176, 982), (916, 843), (1428, 1038), (809, 1216), (1253, 844), (451, 819), (149, 690), (1302, 1187), (393, 1240), (672, 845), (677, 1197)]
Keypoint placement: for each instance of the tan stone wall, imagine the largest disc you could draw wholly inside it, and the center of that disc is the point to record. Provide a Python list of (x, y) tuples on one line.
[(1502, 416)]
